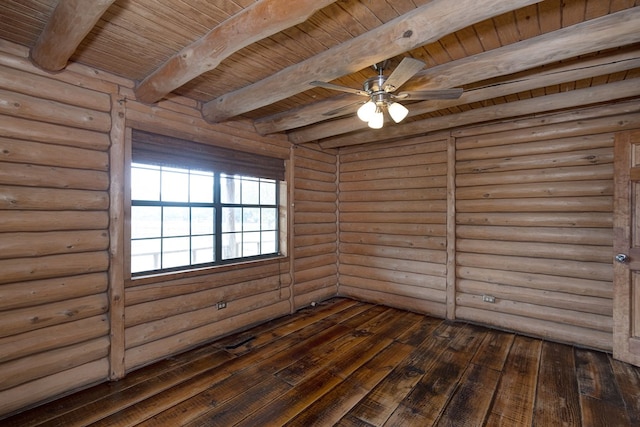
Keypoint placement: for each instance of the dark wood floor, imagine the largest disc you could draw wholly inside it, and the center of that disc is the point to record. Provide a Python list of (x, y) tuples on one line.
[(347, 363)]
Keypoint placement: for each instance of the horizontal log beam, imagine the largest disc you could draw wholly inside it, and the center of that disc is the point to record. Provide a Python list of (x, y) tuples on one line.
[(70, 23), (579, 236), (34, 108), (551, 330), (46, 176), (549, 76), (53, 385), (538, 219), (191, 336), (262, 19), (559, 145), (52, 220), (18, 245), (540, 250), (37, 292), (548, 174), (534, 311), (36, 366), (550, 126), (572, 99), (540, 204), (52, 266), (33, 198), (39, 340), (19, 128), (23, 320), (536, 281), (409, 279), (422, 25), (564, 268), (536, 189), (558, 299), (512, 58), (537, 161), (45, 87)]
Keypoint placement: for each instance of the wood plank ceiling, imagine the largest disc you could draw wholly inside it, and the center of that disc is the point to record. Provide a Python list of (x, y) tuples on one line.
[(254, 60)]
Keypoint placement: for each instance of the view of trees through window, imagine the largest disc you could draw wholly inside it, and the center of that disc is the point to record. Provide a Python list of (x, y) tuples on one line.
[(182, 218)]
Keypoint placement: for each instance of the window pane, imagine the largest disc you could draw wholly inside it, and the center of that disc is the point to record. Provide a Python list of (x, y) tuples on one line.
[(175, 222), (145, 221), (250, 219), (231, 245), (174, 186), (145, 183), (229, 189), (250, 244), (231, 219), (202, 249), (201, 188), (250, 191), (267, 192), (145, 255), (179, 227), (175, 252), (268, 245), (269, 217), (202, 220)]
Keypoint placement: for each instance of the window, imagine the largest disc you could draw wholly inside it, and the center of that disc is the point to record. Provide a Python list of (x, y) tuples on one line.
[(185, 213)]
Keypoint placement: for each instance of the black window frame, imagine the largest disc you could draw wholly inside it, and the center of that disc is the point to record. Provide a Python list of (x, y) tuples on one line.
[(206, 159)]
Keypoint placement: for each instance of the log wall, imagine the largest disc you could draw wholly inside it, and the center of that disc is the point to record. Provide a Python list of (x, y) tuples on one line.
[(69, 315), (167, 314), (315, 230), (534, 216), (393, 214), (54, 231), (525, 220)]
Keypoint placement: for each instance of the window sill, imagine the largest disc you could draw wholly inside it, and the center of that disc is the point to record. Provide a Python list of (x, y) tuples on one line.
[(204, 271)]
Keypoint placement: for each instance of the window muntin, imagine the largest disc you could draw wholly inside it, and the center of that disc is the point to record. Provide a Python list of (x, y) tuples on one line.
[(248, 227), (185, 218)]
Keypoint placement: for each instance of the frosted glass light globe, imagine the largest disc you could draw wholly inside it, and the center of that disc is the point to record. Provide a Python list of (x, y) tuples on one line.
[(366, 111), (398, 112), (377, 120)]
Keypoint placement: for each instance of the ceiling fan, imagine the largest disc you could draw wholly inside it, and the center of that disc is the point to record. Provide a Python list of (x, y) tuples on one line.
[(379, 90)]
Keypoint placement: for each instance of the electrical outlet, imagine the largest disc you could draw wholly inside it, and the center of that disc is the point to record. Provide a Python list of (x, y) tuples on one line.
[(488, 298), (221, 305)]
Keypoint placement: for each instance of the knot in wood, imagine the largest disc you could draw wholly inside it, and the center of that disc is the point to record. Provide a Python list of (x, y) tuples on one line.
[(407, 34)]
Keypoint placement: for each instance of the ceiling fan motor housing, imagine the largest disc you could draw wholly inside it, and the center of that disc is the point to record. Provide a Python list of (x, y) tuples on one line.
[(375, 87), (375, 84)]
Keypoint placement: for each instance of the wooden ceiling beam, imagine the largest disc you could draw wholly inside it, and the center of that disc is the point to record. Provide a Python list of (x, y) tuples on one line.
[(552, 76), (422, 25), (69, 24), (603, 33), (609, 31), (564, 73), (559, 101), (305, 114), (258, 21)]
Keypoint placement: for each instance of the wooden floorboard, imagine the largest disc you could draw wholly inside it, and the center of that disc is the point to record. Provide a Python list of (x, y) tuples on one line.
[(349, 363)]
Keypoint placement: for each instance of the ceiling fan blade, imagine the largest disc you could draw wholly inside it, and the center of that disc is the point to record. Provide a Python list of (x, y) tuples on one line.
[(408, 68), (344, 109), (338, 87), (417, 95)]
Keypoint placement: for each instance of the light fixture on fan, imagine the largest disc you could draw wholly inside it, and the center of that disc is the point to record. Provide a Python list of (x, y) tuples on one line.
[(380, 91), (372, 113)]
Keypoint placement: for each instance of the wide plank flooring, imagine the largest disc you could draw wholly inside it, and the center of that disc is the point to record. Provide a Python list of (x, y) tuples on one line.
[(348, 363)]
